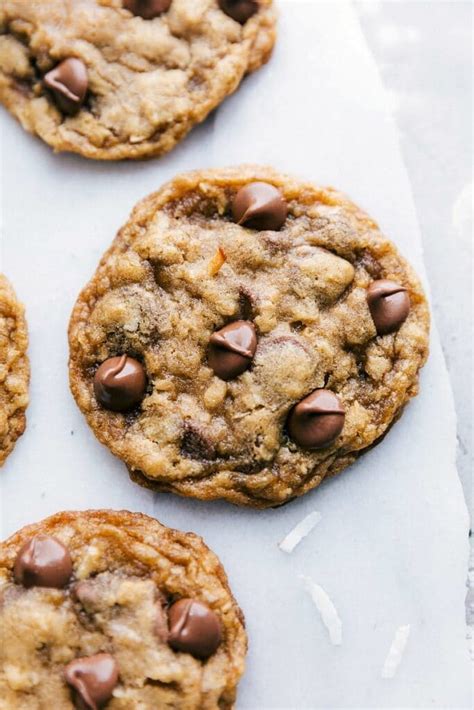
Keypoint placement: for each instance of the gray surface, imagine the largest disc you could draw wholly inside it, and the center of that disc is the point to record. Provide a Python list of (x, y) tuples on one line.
[(424, 52)]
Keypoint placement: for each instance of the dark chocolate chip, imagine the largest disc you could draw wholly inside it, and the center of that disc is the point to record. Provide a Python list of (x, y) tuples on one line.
[(317, 420), (148, 9), (260, 205), (120, 383), (239, 10), (232, 348), (43, 562), (389, 305), (194, 628), (68, 82), (93, 678)]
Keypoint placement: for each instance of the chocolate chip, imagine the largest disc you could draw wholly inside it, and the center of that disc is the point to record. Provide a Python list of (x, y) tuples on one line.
[(260, 206), (232, 348), (120, 383), (148, 9), (239, 10), (93, 678), (368, 262), (68, 82), (246, 303), (389, 305), (194, 628), (43, 562), (195, 444), (317, 420)]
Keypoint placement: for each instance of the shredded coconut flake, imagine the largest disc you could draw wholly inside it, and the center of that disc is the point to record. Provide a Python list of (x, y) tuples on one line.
[(395, 654), (326, 608), (299, 532)]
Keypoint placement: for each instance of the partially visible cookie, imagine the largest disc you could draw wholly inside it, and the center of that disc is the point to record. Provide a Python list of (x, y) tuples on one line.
[(105, 609), (14, 369), (246, 336), (114, 79)]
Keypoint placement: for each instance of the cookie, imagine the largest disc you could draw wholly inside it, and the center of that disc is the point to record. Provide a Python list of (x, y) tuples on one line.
[(14, 369), (246, 336), (112, 609), (115, 79)]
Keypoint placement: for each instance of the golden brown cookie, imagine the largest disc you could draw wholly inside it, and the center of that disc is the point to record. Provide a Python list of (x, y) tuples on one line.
[(245, 336), (114, 79), (112, 609), (14, 369)]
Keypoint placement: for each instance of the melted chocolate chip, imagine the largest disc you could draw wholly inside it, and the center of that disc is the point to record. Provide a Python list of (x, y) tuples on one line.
[(196, 445), (43, 562), (120, 383), (246, 304), (389, 305), (85, 593), (68, 83), (239, 10), (194, 628), (369, 263), (148, 9), (317, 420), (260, 206), (232, 348), (93, 678)]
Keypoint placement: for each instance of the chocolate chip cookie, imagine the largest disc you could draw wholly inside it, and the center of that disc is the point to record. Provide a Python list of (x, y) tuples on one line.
[(14, 369), (112, 609), (246, 336), (114, 79)]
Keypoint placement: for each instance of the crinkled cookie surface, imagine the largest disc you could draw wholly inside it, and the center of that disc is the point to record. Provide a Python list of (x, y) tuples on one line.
[(318, 375), (139, 83), (14, 369), (87, 620)]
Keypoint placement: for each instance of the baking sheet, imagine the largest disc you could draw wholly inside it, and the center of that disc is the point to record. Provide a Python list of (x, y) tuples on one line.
[(391, 546)]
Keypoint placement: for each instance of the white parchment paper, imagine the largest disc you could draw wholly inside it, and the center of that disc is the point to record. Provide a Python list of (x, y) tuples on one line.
[(391, 546)]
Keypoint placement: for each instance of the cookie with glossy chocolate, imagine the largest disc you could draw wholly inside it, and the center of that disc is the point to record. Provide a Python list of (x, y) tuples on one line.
[(112, 609), (276, 336), (14, 369), (115, 79)]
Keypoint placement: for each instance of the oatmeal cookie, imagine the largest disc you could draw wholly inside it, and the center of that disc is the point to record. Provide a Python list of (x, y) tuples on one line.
[(246, 336), (114, 79), (112, 609), (14, 369)]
